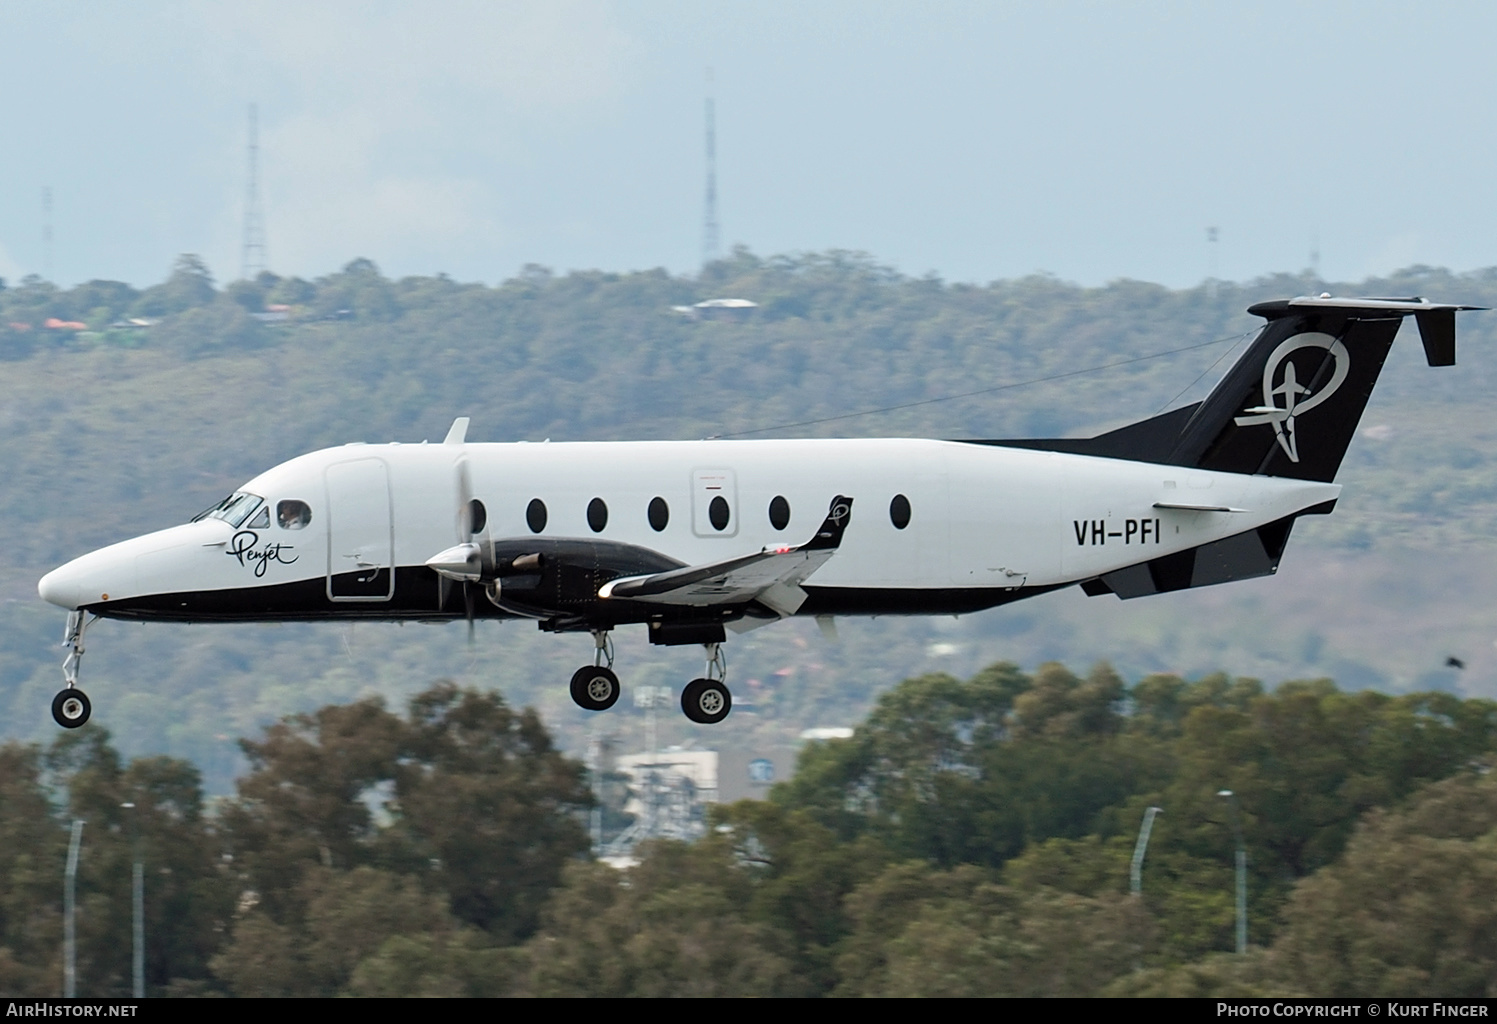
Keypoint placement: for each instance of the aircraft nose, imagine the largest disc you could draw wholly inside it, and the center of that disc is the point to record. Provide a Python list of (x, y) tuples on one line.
[(62, 586), (89, 580), (110, 575)]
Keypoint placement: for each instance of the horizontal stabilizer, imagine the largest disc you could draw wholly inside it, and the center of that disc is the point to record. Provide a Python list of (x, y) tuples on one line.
[(1197, 508), (1436, 320)]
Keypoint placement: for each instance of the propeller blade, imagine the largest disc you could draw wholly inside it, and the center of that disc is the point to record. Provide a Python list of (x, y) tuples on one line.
[(465, 562), (454, 563), (485, 560)]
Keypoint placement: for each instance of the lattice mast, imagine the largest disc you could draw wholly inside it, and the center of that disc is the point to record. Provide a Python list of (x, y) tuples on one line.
[(47, 233), (710, 246), (252, 254)]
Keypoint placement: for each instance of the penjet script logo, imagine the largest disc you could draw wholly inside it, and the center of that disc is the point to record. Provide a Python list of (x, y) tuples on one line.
[(1285, 397)]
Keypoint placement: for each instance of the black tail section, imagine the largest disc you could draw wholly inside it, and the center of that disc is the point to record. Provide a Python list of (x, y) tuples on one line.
[(1289, 407), (1243, 557)]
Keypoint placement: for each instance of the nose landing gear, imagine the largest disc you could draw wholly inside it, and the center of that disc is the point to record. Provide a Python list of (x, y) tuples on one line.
[(71, 707)]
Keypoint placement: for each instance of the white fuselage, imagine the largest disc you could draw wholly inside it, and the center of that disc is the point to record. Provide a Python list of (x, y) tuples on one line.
[(981, 518)]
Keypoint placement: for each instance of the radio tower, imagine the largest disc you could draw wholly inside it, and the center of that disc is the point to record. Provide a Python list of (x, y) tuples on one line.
[(47, 233), (709, 219), (252, 256)]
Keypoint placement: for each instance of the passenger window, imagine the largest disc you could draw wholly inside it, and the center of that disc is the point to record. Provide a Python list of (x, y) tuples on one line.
[(597, 515), (659, 514), (779, 512), (718, 513), (899, 511), (535, 515), (261, 520), (292, 514), (478, 516)]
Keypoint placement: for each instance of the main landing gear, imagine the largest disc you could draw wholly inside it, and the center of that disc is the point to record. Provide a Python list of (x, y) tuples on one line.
[(595, 687), (71, 707), (707, 701)]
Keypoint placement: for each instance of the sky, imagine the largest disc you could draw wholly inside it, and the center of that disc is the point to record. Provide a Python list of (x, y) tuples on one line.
[(976, 141)]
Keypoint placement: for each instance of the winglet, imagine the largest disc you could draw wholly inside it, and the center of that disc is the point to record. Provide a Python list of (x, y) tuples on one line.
[(830, 533), (458, 433)]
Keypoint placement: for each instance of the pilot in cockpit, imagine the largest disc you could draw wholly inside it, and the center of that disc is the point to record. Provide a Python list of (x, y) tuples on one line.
[(293, 515)]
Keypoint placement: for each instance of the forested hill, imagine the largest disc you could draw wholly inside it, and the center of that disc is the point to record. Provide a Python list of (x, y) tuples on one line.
[(128, 410), (208, 394)]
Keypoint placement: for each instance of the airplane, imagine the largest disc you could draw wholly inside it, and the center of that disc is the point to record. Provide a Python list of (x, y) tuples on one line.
[(691, 539)]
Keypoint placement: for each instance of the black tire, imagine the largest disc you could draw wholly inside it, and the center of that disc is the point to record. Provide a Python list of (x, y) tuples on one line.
[(71, 708), (595, 688), (706, 701)]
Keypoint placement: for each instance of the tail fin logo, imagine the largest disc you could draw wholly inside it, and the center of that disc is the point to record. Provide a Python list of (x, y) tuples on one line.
[(1281, 380)]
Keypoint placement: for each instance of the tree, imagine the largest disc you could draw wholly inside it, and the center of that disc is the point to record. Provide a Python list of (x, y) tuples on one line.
[(187, 900), (1408, 910), (483, 794), (956, 933), (31, 848), (1305, 762), (359, 291), (309, 797), (347, 916), (101, 302), (969, 772), (800, 876), (676, 925), (251, 294), (289, 291), (923, 739), (189, 286), (464, 795), (459, 963), (1217, 976), (217, 327)]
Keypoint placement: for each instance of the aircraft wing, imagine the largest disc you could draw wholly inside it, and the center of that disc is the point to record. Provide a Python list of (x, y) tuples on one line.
[(772, 576)]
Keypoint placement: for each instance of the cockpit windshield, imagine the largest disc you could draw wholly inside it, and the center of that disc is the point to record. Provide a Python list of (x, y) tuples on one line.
[(234, 509)]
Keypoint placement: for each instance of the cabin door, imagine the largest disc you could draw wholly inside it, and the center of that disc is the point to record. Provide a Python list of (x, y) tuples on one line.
[(360, 533)]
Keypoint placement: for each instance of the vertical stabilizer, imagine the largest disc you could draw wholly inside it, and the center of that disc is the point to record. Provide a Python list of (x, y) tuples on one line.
[(1290, 405)]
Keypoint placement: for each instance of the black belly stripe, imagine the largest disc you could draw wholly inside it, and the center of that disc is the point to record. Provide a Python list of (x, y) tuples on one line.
[(417, 592)]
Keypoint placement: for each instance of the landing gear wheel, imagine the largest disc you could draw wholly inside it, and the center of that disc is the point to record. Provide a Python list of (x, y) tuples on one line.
[(70, 708), (595, 688), (706, 701)]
